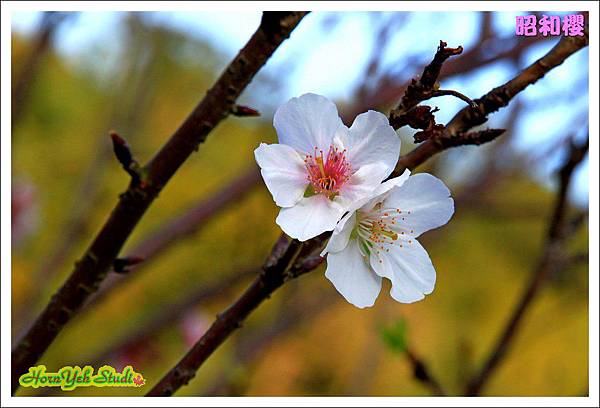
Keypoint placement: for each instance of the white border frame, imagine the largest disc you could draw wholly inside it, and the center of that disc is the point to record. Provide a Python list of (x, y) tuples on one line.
[(5, 166)]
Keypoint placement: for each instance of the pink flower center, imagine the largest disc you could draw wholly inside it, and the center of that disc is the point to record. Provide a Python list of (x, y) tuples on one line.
[(328, 173)]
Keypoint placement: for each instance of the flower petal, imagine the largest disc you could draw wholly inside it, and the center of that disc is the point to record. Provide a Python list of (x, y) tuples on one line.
[(425, 203), (352, 277), (393, 182), (284, 173), (408, 267), (361, 184), (307, 122), (310, 217), (341, 234), (382, 192), (371, 139)]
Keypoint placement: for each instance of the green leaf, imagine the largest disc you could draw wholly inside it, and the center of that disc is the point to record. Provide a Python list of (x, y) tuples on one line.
[(394, 336)]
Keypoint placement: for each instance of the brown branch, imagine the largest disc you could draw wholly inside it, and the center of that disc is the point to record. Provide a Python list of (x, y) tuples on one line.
[(156, 243), (575, 259), (455, 132), (547, 264), (93, 267)]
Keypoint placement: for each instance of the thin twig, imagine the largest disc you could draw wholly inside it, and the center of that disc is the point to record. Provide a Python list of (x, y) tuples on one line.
[(455, 132), (93, 267), (456, 94), (173, 231), (548, 262)]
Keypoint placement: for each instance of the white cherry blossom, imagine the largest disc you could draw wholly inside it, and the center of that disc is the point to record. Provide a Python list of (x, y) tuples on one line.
[(377, 239), (321, 167)]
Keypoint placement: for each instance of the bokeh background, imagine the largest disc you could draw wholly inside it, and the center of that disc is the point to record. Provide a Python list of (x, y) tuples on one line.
[(76, 76)]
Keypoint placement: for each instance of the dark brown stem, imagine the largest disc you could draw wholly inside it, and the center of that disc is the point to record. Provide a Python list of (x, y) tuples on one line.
[(454, 133), (422, 374), (549, 261), (93, 267), (191, 220)]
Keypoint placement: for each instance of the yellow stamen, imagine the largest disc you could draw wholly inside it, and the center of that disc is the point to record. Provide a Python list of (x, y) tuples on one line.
[(390, 234), (319, 161)]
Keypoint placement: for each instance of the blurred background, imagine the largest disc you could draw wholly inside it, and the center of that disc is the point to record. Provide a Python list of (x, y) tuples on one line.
[(76, 76)]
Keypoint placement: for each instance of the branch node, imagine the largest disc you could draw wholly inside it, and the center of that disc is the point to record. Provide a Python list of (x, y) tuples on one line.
[(434, 131)]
